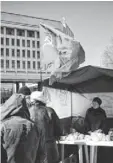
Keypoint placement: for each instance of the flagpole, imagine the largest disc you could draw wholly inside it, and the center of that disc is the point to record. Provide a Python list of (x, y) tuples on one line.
[(40, 82), (71, 108), (40, 77)]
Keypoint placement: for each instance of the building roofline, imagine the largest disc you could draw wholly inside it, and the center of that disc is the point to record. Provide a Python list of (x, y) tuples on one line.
[(56, 23), (18, 23), (29, 16)]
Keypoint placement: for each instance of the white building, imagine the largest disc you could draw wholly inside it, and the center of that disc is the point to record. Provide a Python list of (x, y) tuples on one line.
[(20, 46)]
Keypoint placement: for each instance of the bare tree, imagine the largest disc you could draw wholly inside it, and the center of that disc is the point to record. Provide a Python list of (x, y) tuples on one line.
[(107, 56)]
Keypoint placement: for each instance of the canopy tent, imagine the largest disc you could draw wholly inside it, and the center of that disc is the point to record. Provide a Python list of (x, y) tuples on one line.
[(75, 92), (87, 79)]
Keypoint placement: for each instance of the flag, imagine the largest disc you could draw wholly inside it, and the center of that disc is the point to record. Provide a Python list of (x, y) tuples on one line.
[(60, 53), (49, 53)]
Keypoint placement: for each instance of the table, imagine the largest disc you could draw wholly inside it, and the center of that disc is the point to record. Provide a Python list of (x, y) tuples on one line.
[(80, 144), (93, 148)]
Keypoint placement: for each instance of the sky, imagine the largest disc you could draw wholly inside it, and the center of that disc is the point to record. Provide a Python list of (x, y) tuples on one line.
[(90, 21)]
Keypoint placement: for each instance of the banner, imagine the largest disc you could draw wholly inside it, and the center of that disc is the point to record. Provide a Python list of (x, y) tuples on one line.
[(59, 100), (68, 103), (60, 53)]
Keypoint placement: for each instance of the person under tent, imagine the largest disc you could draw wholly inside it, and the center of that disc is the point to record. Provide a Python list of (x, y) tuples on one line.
[(95, 117)]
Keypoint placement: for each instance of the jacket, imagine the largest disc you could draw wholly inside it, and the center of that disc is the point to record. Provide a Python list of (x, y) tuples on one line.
[(54, 132), (54, 126), (94, 119), (20, 136), (39, 115)]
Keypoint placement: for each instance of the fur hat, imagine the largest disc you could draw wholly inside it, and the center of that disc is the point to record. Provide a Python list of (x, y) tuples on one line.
[(24, 90), (97, 99), (37, 96)]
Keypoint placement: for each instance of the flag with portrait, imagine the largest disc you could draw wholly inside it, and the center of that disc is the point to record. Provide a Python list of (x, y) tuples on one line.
[(60, 53)]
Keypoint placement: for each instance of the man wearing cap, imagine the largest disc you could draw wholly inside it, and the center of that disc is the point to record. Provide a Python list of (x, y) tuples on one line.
[(47, 119), (40, 116), (26, 92), (95, 116)]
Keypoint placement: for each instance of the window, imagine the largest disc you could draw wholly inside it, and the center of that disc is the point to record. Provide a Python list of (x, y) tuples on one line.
[(7, 63), (23, 53), (9, 31), (28, 43), (38, 44), (38, 54), (2, 30), (7, 41), (33, 44), (18, 64), (13, 42), (13, 52), (28, 53), (18, 42), (2, 41), (38, 35), (33, 54), (20, 32), (23, 64), (13, 63), (38, 65), (28, 64), (30, 34), (7, 52), (34, 65), (2, 63), (18, 53), (2, 52), (23, 43)]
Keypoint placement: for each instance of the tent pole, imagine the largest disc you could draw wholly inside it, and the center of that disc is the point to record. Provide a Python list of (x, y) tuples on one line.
[(40, 82), (71, 109)]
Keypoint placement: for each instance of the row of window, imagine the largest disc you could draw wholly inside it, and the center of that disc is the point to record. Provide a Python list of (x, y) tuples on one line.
[(30, 54), (19, 63), (19, 32), (19, 42)]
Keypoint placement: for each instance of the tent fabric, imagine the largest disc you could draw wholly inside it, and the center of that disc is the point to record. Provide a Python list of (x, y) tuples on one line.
[(101, 84), (82, 78)]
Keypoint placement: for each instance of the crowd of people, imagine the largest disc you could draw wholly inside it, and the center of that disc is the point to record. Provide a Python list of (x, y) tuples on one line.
[(29, 129)]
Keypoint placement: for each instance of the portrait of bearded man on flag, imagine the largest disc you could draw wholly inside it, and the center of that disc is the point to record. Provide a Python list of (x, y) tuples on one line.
[(60, 53)]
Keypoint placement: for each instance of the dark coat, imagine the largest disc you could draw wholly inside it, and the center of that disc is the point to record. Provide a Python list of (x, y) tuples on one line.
[(47, 120), (39, 115), (94, 119), (3, 154), (54, 132)]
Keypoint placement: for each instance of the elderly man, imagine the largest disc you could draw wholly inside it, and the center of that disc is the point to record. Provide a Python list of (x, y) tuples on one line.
[(39, 115), (48, 121)]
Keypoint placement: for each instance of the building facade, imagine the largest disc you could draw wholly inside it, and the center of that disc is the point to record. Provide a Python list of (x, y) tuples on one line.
[(20, 47)]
